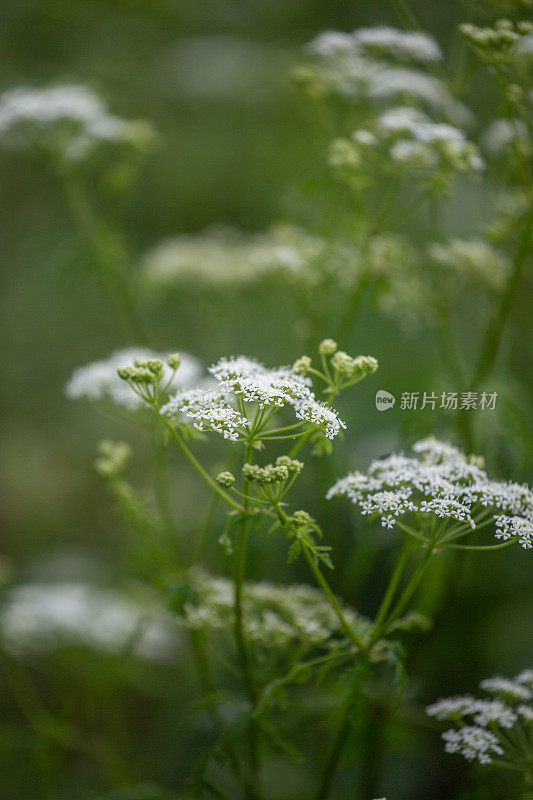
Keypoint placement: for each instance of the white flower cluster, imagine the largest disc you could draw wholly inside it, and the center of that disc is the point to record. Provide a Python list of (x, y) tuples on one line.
[(510, 708), (209, 410), (373, 64), (381, 41), (404, 138), (274, 615), (100, 379), (70, 119), (440, 480), (473, 743), (417, 140), (40, 616), (221, 256), (249, 381), (471, 259)]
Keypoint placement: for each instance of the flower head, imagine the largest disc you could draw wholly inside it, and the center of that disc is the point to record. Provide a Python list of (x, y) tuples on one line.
[(242, 380), (440, 482), (69, 119), (482, 723)]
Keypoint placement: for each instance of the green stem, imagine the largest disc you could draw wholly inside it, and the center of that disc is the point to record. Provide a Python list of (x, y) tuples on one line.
[(343, 734), (409, 590), (494, 333), (161, 486), (106, 251), (197, 466), (208, 688), (239, 574), (324, 585), (391, 588)]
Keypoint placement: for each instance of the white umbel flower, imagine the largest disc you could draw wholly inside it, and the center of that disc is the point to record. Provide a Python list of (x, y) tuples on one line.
[(505, 687), (386, 42), (473, 742), (451, 707), (71, 119), (244, 380), (443, 482), (483, 723), (209, 410)]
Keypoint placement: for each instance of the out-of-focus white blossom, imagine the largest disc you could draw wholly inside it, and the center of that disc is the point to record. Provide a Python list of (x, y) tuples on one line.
[(41, 616), (373, 64), (473, 259), (502, 134), (380, 41), (274, 615), (69, 120), (222, 256), (100, 379)]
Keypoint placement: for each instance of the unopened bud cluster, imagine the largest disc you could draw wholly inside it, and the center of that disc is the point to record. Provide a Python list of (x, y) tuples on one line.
[(497, 44), (281, 471)]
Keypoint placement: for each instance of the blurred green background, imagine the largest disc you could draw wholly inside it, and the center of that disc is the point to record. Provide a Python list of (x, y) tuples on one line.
[(235, 147)]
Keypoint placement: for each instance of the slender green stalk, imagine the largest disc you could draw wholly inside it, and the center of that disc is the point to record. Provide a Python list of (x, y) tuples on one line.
[(106, 252), (324, 585), (494, 333), (352, 706), (161, 489), (334, 757), (239, 574), (393, 585), (208, 688), (407, 592), (198, 467)]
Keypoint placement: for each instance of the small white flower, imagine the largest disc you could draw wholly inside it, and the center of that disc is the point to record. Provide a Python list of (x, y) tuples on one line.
[(489, 711), (473, 742), (209, 410), (451, 707), (507, 688), (387, 42)]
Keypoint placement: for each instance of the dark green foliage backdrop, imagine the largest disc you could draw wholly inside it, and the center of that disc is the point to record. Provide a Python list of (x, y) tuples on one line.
[(244, 157)]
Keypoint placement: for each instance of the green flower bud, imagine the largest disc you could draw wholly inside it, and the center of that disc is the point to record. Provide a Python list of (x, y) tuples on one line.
[(293, 465), (174, 360), (155, 365), (301, 365), (365, 364), (250, 472), (125, 373), (270, 474), (142, 375), (342, 363), (301, 518), (226, 479), (310, 81), (327, 347)]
